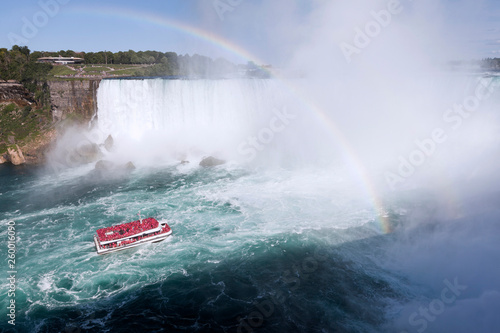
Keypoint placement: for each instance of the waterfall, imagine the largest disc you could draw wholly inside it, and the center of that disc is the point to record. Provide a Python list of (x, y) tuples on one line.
[(176, 116), (237, 118)]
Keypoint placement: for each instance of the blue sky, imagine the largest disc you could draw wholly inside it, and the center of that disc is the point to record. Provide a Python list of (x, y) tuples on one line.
[(95, 25), (266, 29)]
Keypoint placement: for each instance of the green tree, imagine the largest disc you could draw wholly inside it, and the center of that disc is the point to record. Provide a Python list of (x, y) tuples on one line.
[(4, 64), (34, 78), (24, 50), (35, 55), (134, 59), (109, 57)]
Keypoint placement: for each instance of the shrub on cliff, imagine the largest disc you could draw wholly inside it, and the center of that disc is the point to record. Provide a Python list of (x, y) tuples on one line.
[(17, 65), (9, 108)]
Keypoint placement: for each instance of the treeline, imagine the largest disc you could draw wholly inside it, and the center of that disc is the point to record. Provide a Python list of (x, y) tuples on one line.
[(491, 63), (129, 57), (20, 64), (160, 63)]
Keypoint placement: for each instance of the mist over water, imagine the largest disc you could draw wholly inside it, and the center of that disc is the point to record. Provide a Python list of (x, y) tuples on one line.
[(183, 117), (261, 122), (362, 197)]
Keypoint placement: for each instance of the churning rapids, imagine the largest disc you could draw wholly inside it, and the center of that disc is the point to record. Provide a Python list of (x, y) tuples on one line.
[(287, 236)]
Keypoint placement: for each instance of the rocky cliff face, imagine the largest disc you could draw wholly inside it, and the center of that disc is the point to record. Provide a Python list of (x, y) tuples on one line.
[(15, 93), (32, 128), (74, 97)]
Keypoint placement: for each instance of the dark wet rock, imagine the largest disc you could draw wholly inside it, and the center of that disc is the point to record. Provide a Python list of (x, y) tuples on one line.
[(129, 166), (104, 165), (86, 153), (211, 161), (107, 170), (109, 142)]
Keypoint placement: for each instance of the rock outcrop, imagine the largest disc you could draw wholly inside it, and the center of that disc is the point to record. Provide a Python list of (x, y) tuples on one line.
[(129, 166), (108, 165), (108, 143), (107, 170), (211, 161), (104, 165), (84, 154), (13, 155), (15, 93), (35, 150)]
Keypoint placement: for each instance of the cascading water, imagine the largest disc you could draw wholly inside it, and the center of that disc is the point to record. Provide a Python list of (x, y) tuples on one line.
[(189, 116)]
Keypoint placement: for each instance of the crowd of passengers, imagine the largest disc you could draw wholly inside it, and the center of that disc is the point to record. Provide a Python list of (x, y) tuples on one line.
[(166, 228), (127, 229)]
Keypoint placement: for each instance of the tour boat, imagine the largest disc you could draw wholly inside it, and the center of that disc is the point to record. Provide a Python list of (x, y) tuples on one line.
[(127, 235)]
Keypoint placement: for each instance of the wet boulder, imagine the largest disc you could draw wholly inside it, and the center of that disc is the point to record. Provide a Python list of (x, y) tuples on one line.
[(129, 166), (109, 142), (86, 153), (15, 155), (104, 165), (211, 161)]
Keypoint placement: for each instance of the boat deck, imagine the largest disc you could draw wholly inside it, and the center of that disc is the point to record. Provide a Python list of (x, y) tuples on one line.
[(131, 234)]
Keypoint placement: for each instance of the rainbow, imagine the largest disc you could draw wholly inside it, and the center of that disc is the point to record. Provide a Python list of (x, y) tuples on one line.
[(170, 24), (351, 155), (245, 55)]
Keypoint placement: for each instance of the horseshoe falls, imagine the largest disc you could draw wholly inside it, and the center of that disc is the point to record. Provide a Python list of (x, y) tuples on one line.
[(301, 229)]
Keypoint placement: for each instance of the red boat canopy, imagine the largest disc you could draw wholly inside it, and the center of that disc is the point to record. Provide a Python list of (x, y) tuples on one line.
[(126, 229)]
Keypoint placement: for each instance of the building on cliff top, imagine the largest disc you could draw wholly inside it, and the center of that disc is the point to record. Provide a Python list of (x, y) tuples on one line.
[(61, 60)]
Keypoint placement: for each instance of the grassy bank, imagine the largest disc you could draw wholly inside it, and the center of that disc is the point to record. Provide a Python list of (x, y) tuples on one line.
[(78, 71), (22, 125)]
